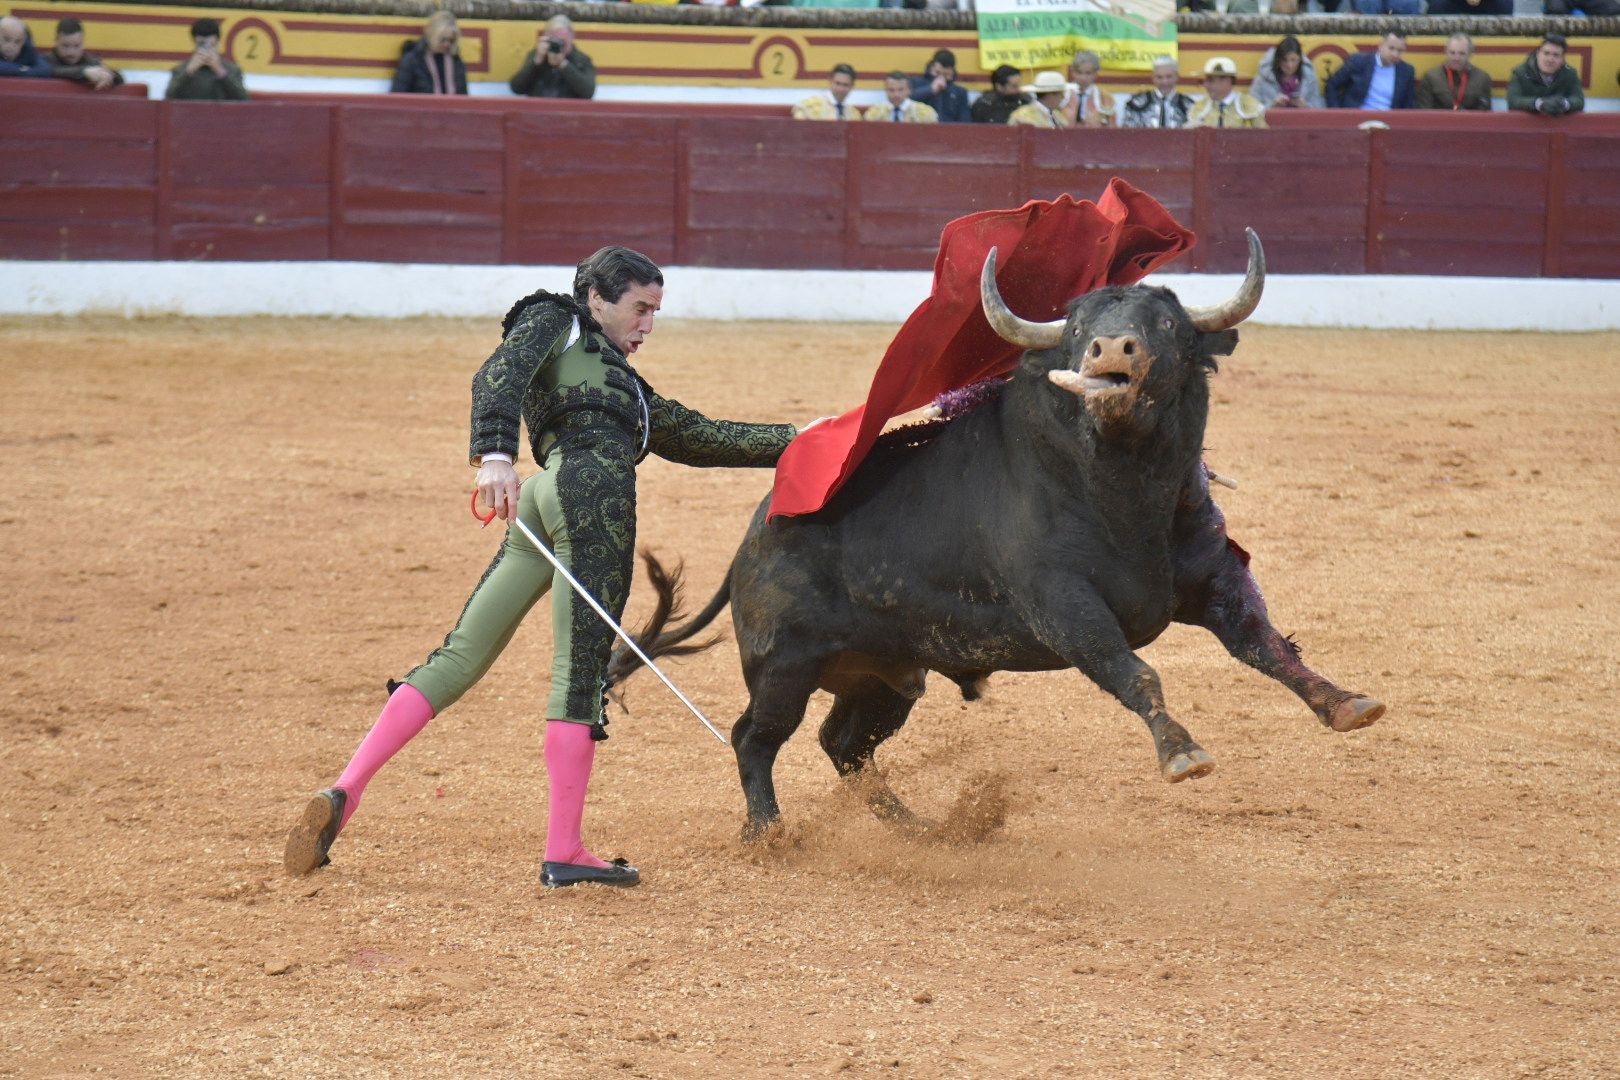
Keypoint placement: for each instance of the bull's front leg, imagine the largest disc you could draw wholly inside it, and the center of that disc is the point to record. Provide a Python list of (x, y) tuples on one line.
[(1086, 634), (1215, 590)]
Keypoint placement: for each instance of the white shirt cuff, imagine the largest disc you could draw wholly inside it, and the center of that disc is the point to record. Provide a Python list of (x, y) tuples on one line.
[(495, 455)]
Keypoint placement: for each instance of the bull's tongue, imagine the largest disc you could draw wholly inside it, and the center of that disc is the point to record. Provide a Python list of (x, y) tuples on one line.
[(1108, 380)]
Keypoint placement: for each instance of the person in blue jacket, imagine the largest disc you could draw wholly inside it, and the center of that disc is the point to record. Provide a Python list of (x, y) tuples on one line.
[(937, 89), (17, 53), (1375, 80)]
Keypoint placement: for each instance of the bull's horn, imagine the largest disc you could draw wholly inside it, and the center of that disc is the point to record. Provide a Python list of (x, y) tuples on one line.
[(1031, 335), (1241, 306)]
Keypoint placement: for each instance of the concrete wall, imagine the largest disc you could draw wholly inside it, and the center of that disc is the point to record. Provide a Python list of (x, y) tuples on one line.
[(391, 290)]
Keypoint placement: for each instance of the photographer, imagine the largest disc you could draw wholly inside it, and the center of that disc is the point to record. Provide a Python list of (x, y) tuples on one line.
[(556, 69), (206, 75), (1544, 83)]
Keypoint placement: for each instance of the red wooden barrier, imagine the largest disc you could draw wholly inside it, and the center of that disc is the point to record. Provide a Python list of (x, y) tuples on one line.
[(480, 180), (68, 87), (78, 177), (221, 200)]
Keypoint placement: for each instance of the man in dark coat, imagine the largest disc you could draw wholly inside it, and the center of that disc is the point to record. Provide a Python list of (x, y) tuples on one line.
[(556, 68), (1456, 84), (1377, 80), (206, 75), (1544, 83), (17, 53), (69, 60), (1006, 96), (937, 89)]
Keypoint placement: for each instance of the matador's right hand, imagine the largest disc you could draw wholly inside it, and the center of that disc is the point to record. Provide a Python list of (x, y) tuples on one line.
[(498, 488)]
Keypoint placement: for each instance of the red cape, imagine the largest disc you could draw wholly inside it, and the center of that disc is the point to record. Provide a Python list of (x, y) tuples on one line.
[(1050, 253)]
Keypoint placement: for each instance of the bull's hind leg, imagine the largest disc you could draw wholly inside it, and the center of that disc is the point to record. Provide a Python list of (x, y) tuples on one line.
[(779, 695), (1217, 591), (862, 717)]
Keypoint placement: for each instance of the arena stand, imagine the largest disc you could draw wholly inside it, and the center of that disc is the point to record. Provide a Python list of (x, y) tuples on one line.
[(505, 180)]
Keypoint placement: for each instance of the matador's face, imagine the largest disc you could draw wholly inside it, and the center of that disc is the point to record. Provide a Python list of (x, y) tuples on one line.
[(628, 320)]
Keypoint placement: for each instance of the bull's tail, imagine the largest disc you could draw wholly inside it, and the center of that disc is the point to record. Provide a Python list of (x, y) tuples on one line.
[(656, 638)]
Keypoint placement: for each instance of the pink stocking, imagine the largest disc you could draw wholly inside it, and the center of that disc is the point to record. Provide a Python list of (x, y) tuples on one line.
[(405, 715), (570, 752)]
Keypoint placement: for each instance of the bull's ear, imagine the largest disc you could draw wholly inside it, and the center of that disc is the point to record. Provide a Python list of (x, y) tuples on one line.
[(1217, 343)]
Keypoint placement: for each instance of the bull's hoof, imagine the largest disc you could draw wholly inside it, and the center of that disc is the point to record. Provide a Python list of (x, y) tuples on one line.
[(761, 833), (1355, 713), (1188, 765)]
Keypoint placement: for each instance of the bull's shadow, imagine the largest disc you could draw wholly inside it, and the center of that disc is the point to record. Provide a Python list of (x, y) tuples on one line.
[(1062, 523)]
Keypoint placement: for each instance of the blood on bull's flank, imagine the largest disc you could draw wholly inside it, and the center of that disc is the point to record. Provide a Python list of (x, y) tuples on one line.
[(1061, 519)]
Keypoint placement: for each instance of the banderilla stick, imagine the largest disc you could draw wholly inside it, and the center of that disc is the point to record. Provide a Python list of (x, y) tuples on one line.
[(585, 595)]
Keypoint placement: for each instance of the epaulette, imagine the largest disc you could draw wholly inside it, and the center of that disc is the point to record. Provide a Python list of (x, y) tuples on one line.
[(567, 303)]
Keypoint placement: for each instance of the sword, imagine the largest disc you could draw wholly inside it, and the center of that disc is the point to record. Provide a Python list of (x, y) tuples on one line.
[(585, 595)]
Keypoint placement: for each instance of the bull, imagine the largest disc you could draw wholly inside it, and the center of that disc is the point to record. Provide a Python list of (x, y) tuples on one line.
[(1063, 524)]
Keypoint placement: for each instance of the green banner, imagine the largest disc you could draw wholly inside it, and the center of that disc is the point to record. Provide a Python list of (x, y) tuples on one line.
[(1045, 34)]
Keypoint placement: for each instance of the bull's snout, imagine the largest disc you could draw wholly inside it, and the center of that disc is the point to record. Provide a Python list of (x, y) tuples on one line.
[(1112, 363), (1107, 365)]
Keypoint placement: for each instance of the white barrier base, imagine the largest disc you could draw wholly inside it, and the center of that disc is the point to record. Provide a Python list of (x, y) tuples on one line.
[(395, 290)]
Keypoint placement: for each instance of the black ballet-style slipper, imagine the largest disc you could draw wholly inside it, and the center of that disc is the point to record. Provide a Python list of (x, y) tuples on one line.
[(559, 875), (312, 837)]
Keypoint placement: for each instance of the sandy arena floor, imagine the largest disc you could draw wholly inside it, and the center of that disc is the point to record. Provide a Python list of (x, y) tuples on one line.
[(222, 536)]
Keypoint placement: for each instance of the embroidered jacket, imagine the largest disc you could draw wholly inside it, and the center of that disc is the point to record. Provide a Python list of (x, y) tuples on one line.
[(557, 373), (1149, 110), (822, 107), (911, 112), (1241, 111)]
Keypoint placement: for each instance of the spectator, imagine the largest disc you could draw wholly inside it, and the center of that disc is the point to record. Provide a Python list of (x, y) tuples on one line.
[(1286, 79), (17, 53), (901, 106), (1223, 105), (206, 75), (937, 89), (1457, 83), (1091, 105), (1163, 106), (68, 60), (432, 64), (1593, 8), (1544, 83), (1006, 96), (1052, 95), (1388, 7), (1380, 80), (556, 69), (830, 104)]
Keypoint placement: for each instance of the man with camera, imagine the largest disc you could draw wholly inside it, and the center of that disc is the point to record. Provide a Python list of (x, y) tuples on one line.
[(206, 75), (556, 69)]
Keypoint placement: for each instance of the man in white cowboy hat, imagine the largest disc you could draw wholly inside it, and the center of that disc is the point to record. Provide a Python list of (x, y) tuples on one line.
[(1223, 105), (1051, 92)]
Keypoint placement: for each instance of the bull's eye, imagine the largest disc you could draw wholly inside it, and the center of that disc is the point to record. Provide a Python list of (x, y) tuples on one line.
[(1169, 323)]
